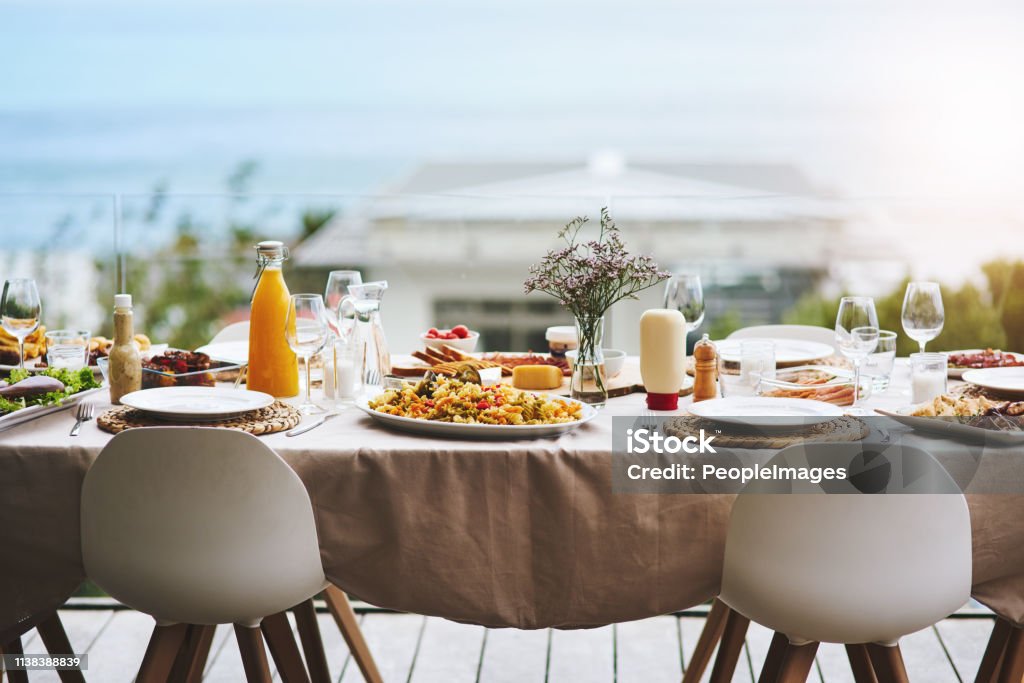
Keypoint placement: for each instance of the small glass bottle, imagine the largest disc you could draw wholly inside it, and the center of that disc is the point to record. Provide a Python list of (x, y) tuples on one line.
[(125, 362), (705, 357)]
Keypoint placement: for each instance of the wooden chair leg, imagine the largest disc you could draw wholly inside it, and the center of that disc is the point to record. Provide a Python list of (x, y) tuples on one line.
[(15, 675), (191, 660), (55, 638), (988, 670), (773, 662), (341, 610), (254, 656), (1012, 668), (729, 649), (797, 661), (278, 634), (888, 663), (312, 643), (709, 637), (860, 663), (163, 648)]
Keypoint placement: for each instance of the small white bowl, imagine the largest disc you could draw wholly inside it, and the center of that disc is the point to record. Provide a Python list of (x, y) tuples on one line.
[(467, 345), (613, 360)]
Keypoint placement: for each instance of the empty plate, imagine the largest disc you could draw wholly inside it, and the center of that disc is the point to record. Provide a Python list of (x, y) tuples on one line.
[(766, 412), (197, 403), (999, 380)]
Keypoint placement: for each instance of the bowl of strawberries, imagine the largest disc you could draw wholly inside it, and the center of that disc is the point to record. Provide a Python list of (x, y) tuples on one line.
[(459, 337)]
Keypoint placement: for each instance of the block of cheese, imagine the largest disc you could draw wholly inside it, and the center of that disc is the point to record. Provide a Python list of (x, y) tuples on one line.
[(536, 377)]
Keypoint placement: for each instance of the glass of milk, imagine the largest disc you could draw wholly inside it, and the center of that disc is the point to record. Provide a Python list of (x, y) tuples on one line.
[(927, 376), (342, 380)]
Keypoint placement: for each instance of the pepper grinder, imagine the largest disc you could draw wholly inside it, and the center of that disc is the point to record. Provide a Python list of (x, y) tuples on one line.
[(705, 357)]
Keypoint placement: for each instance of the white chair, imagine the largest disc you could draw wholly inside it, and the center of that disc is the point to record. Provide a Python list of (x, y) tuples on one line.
[(232, 333), (812, 333), (204, 526), (830, 564)]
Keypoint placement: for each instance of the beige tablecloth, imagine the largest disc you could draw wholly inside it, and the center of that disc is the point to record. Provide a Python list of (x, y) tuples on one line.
[(525, 534)]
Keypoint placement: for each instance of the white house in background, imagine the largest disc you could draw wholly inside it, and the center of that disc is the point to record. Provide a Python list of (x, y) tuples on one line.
[(455, 240)]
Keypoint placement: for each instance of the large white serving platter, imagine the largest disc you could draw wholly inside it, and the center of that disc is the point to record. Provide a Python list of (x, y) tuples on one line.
[(951, 428), (1000, 380), (958, 373), (786, 350), (766, 412), (477, 431), (32, 412), (196, 403)]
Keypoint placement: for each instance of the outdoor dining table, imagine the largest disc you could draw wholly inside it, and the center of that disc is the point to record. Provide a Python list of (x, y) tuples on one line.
[(525, 534)]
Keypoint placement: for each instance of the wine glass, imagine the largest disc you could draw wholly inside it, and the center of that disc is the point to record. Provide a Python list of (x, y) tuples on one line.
[(20, 311), (856, 334), (336, 292), (684, 293), (307, 331), (923, 316)]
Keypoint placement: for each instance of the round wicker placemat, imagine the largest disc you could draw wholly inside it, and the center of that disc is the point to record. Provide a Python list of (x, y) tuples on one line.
[(735, 436), (276, 417)]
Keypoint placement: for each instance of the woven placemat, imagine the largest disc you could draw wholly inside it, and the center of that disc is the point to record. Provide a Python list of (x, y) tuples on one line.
[(735, 436), (276, 417)]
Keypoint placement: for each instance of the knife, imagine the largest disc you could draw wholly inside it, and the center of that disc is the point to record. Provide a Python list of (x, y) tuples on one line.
[(312, 425)]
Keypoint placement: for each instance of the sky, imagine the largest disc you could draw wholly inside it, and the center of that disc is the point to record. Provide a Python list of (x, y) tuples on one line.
[(874, 98)]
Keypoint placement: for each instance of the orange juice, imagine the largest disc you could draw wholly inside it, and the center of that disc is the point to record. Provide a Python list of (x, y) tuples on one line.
[(273, 367)]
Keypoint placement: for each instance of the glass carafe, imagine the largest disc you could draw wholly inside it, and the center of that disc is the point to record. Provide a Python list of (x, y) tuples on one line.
[(372, 347)]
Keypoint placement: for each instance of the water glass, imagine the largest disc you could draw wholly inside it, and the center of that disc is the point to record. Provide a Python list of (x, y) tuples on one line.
[(306, 331), (684, 293), (343, 381), (67, 349), (20, 311), (878, 365), (757, 361), (928, 373)]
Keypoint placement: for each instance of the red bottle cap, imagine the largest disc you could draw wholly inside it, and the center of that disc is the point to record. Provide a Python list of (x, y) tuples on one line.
[(662, 401)]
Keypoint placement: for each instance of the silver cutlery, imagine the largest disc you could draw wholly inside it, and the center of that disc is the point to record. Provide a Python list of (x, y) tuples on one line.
[(84, 414), (312, 425)]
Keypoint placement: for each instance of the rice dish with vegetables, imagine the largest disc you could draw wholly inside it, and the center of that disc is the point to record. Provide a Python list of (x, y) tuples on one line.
[(449, 400)]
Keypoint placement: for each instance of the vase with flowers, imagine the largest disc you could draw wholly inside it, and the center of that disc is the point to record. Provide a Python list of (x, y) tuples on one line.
[(588, 277)]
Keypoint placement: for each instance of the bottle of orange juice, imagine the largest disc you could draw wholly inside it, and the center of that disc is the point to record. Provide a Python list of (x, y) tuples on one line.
[(273, 368)]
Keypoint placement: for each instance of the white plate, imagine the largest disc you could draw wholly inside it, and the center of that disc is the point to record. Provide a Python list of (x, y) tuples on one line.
[(235, 352), (477, 431), (1001, 380), (197, 403), (951, 428), (766, 412), (958, 373), (786, 350), (32, 412)]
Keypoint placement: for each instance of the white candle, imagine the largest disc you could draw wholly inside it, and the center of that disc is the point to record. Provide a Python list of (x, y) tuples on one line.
[(928, 384), (346, 372)]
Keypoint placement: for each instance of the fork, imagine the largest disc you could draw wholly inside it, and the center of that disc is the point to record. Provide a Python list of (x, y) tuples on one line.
[(84, 415)]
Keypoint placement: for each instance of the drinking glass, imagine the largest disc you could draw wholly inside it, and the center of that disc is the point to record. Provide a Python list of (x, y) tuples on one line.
[(20, 311), (67, 349), (335, 292), (342, 379), (684, 293), (856, 334), (757, 360), (928, 374), (923, 316), (878, 365), (307, 331)]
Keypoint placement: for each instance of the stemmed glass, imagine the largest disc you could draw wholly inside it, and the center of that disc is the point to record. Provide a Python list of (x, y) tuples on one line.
[(307, 331), (20, 311), (336, 292), (684, 293), (923, 315), (856, 334)]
